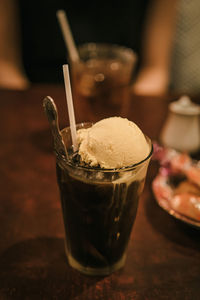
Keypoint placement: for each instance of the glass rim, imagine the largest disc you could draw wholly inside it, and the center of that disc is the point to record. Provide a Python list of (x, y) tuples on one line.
[(99, 169), (98, 46)]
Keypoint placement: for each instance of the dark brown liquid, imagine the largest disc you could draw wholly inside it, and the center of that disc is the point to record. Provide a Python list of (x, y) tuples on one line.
[(101, 89), (98, 218)]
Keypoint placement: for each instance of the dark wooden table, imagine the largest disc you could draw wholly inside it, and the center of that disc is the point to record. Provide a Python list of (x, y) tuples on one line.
[(163, 255)]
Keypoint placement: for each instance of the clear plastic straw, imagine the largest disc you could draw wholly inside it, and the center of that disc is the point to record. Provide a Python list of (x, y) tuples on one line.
[(67, 35), (70, 106)]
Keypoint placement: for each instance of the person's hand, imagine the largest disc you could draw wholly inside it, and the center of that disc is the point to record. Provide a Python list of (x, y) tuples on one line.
[(151, 81), (12, 78)]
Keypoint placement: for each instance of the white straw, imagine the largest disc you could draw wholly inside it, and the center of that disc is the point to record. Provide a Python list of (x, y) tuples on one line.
[(67, 35), (70, 106)]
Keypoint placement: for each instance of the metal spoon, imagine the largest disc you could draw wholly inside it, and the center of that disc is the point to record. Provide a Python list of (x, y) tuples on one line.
[(52, 116)]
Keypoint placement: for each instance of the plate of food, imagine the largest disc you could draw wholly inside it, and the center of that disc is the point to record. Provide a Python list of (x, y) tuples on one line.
[(176, 187)]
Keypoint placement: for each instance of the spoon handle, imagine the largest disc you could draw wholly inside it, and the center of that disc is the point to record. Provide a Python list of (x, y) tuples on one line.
[(52, 116)]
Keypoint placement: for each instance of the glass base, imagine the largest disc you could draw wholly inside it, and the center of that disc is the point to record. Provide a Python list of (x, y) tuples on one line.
[(96, 271)]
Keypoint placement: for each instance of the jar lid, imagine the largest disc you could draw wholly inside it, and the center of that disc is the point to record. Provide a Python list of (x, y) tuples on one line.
[(185, 106)]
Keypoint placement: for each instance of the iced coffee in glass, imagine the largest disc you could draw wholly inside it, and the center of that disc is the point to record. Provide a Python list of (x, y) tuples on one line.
[(101, 77), (100, 186)]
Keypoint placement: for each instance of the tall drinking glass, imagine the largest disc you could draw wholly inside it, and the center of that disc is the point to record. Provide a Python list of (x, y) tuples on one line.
[(101, 78), (99, 208)]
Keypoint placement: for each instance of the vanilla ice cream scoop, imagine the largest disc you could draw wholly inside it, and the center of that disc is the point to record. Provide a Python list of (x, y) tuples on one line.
[(112, 143)]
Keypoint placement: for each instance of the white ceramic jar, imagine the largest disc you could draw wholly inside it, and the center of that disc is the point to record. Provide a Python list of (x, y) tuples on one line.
[(181, 130)]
